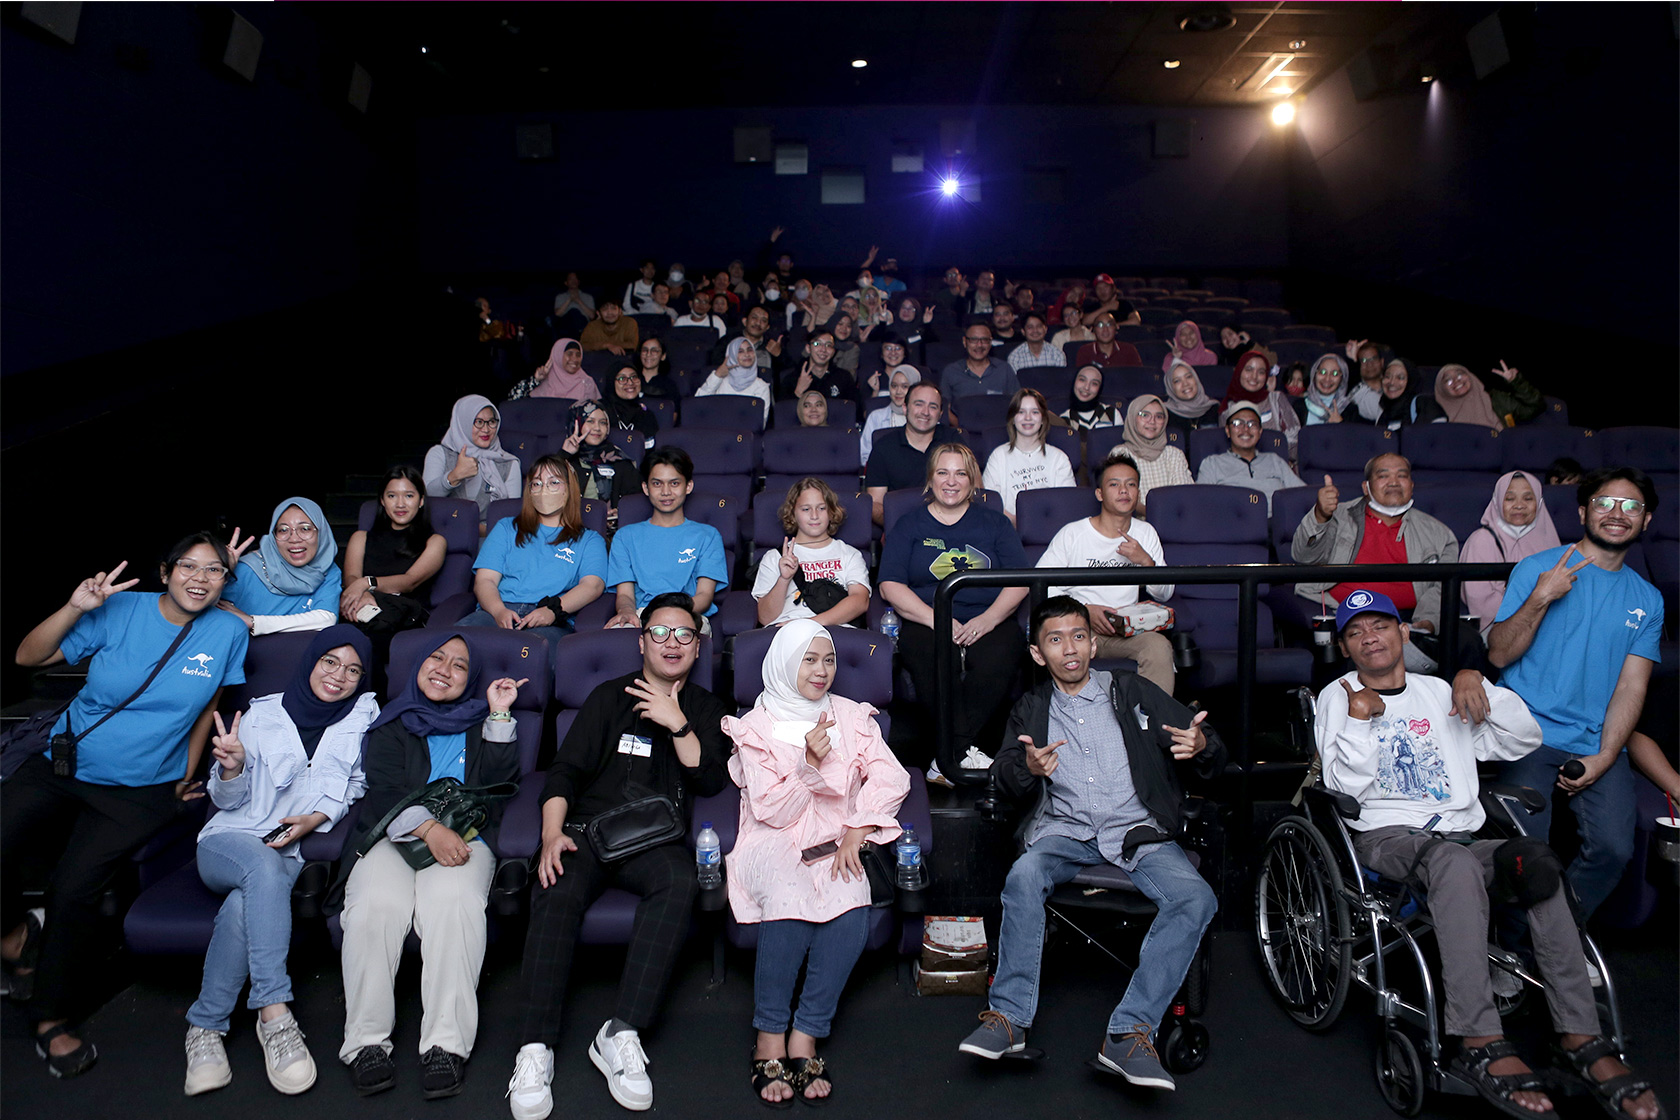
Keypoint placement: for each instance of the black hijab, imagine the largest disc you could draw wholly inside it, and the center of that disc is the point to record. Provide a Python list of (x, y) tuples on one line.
[(312, 715)]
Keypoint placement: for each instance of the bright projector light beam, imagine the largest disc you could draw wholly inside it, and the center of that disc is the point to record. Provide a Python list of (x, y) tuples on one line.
[(950, 187)]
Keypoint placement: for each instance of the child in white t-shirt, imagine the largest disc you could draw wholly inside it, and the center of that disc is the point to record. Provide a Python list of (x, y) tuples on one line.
[(1026, 462), (810, 514)]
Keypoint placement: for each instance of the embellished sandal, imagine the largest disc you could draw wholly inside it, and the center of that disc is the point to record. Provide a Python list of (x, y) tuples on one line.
[(806, 1070), (1612, 1091), (766, 1072), (77, 1062), (1471, 1063)]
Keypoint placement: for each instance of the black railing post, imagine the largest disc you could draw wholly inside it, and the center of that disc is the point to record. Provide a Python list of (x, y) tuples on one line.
[(1248, 645), (944, 676), (1450, 609)]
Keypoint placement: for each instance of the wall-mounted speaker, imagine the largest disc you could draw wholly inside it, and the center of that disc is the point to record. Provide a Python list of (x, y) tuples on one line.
[(244, 48), (1488, 47), (361, 88), (58, 20), (793, 159)]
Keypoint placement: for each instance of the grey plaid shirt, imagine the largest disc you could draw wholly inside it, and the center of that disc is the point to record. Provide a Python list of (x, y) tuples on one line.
[(1091, 793)]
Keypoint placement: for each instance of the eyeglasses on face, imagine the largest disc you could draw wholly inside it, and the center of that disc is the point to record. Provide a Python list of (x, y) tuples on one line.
[(332, 666), (487, 425), (1605, 504), (215, 573), (548, 485), (661, 633), (301, 532)]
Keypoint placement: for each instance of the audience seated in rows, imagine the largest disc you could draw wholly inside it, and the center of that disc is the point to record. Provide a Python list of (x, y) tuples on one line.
[(1187, 403), (1251, 382), (603, 471), (626, 408), (980, 373), (1103, 350), (389, 568), (738, 376), (612, 331), (900, 379), (561, 376)]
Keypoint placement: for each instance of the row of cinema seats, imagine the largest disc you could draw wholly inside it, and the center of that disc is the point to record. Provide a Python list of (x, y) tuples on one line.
[(175, 913)]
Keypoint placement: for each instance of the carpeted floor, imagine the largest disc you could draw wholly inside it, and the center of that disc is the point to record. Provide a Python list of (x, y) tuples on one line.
[(893, 1054)]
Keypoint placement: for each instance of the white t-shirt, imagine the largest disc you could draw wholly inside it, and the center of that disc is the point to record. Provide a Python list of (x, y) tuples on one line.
[(1010, 470), (835, 560), (1078, 545)]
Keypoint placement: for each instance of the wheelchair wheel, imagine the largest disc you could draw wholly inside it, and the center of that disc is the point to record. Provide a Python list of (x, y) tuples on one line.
[(1185, 1046), (1400, 1072), (1301, 920)]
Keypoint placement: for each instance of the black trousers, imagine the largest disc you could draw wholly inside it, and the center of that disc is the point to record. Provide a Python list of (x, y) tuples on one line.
[(664, 877), (989, 671), (82, 833)]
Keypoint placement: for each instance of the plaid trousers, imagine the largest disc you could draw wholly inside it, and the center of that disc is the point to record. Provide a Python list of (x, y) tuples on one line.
[(664, 877)]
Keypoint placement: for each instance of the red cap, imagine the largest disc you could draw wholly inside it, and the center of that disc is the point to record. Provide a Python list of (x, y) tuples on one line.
[(1104, 278)]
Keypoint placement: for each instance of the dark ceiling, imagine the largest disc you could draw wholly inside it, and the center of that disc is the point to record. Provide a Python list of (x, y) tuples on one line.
[(526, 57)]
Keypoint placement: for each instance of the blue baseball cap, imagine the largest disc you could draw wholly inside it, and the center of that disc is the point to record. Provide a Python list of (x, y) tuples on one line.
[(1362, 601)]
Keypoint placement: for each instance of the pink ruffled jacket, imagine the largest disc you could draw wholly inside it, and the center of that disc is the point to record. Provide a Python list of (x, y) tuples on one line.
[(788, 805)]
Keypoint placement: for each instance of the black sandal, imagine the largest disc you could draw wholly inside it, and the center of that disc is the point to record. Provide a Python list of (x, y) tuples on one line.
[(805, 1071), (1471, 1063), (73, 1064), (766, 1072), (1612, 1091)]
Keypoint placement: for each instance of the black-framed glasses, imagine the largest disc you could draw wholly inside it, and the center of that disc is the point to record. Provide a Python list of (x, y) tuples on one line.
[(1605, 504), (661, 633), (487, 425)]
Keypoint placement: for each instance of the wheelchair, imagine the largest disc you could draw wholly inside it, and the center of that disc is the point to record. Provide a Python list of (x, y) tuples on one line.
[(1101, 906), (1324, 923)]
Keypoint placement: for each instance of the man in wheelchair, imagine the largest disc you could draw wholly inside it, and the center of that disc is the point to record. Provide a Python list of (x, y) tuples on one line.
[(1101, 789), (1406, 751)]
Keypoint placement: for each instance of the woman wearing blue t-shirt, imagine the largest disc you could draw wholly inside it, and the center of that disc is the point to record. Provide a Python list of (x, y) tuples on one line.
[(536, 571), (77, 824), (291, 764), (443, 725), (290, 582), (953, 534)]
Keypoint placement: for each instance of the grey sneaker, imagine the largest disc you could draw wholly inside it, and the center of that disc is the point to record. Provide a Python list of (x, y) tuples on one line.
[(291, 1069), (1133, 1057), (994, 1037), (207, 1064)]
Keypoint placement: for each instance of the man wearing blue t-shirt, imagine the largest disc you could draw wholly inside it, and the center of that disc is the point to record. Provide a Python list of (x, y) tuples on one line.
[(1577, 637), (667, 552)]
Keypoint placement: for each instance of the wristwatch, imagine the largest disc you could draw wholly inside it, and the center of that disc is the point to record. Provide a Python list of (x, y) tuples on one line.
[(683, 730), (372, 585)]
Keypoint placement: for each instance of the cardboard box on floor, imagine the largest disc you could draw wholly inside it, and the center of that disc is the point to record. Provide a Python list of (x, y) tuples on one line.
[(953, 958)]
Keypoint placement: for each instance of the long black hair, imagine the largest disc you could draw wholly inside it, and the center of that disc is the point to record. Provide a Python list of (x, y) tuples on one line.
[(411, 541)]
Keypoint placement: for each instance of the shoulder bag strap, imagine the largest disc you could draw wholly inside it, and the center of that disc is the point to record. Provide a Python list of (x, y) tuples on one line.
[(78, 736)]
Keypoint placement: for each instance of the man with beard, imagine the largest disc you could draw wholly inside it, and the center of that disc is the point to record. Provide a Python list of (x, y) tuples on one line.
[(1577, 636)]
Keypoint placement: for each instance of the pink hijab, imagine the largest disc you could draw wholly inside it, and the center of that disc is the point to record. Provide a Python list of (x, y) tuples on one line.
[(1197, 355), (559, 383), (1498, 541), (1474, 407)]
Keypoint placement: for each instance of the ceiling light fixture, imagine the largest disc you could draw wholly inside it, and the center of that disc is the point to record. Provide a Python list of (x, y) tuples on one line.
[(1427, 76), (859, 63), (1283, 113), (950, 187), (1207, 17), (424, 51), (1171, 63), (1297, 44)]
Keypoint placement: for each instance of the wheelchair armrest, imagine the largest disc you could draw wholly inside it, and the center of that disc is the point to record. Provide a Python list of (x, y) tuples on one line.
[(1531, 799), (1344, 804)]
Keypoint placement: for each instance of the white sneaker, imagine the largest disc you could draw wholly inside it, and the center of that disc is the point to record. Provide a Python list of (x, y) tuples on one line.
[(207, 1064), (936, 778), (528, 1093), (976, 759), (621, 1058), (291, 1069)]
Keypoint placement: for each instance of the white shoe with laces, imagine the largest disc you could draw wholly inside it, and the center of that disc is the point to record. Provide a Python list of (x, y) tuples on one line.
[(291, 1069), (207, 1064), (528, 1092), (622, 1060)]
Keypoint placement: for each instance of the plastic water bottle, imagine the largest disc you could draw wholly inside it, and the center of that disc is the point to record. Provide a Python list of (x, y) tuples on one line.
[(889, 625), (708, 857), (909, 858)]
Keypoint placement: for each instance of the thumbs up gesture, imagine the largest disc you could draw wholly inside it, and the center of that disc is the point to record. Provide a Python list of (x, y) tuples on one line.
[(1328, 498)]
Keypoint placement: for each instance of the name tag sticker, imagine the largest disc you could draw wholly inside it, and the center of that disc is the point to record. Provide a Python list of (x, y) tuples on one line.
[(637, 745), (1143, 720), (605, 472)]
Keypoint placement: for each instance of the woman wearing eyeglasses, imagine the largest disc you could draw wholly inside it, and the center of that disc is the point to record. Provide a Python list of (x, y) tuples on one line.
[(536, 571), (656, 379), (626, 409), (71, 824), (288, 766), (290, 582), (603, 471), (470, 462)]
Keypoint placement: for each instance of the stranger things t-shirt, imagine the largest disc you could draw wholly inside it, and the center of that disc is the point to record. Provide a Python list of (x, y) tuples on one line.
[(921, 550), (836, 560)]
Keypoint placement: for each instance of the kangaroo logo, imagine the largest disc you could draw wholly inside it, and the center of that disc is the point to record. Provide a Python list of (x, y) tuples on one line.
[(686, 556), (203, 670), (1638, 613), (565, 554)]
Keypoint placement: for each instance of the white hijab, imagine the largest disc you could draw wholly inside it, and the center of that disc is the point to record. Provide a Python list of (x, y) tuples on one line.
[(793, 714)]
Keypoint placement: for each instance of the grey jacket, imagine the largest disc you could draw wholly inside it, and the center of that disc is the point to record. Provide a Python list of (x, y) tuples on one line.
[(1337, 541)]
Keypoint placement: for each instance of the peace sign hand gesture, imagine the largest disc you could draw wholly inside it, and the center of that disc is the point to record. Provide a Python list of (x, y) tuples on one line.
[(1354, 346), (1505, 371), (575, 440), (226, 748), (91, 594), (235, 549), (1556, 581), (788, 564)]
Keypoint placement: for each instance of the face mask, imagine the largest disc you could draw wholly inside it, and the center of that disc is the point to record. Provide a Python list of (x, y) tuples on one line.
[(802, 292), (676, 276), (772, 294), (1389, 511), (863, 281), (547, 503)]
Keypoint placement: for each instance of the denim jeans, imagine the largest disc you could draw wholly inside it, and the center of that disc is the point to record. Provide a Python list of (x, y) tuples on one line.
[(1164, 875), (833, 946), (481, 617), (1604, 818), (253, 928)]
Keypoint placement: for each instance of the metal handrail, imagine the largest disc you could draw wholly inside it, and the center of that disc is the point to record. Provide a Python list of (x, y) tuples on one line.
[(1247, 577)]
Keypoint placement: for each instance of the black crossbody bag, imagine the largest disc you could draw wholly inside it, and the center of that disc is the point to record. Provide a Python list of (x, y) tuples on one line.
[(17, 745), (637, 825)]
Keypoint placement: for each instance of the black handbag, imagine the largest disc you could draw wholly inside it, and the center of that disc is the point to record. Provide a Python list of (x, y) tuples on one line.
[(880, 864), (461, 809), (396, 614), (819, 595), (638, 824)]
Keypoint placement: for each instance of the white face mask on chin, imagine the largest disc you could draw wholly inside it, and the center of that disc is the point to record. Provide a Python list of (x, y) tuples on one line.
[(1388, 511)]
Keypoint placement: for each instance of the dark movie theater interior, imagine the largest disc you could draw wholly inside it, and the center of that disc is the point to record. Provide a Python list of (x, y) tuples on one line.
[(922, 559)]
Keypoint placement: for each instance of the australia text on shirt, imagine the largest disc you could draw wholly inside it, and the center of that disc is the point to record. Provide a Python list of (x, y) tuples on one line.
[(566, 554), (203, 669), (686, 556)]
